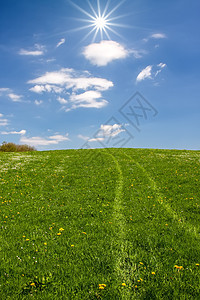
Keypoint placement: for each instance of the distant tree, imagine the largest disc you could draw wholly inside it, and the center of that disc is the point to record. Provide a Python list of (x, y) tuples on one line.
[(12, 147)]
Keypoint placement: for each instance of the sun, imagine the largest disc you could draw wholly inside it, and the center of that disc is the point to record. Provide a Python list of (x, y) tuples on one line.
[(100, 22)]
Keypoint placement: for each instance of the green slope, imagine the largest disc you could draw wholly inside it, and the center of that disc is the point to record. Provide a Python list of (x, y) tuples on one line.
[(100, 224)]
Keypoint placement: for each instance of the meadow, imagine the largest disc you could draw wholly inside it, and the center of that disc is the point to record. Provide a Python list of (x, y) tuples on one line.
[(100, 224)]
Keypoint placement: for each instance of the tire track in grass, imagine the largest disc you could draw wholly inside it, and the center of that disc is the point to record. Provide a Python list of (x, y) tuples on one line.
[(187, 227), (120, 235)]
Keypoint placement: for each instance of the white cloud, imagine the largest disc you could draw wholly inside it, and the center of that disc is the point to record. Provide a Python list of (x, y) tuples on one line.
[(110, 130), (96, 140), (144, 74), (2, 90), (89, 99), (162, 65), (39, 51), (38, 102), (107, 131), (137, 53), (83, 137), (100, 54), (70, 81), (22, 132), (50, 60), (59, 138), (3, 121), (158, 36), (14, 97), (33, 53), (62, 41), (62, 100), (150, 72), (39, 89), (38, 141)]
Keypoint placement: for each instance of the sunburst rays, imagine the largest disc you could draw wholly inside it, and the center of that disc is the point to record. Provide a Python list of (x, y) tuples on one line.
[(100, 21)]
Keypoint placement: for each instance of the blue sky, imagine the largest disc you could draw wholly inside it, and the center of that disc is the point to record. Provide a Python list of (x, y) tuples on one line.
[(107, 73)]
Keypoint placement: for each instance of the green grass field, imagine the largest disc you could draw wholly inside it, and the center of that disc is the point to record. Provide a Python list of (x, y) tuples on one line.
[(100, 224)]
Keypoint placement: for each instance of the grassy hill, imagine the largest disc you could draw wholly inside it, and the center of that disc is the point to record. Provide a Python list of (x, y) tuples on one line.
[(100, 224)]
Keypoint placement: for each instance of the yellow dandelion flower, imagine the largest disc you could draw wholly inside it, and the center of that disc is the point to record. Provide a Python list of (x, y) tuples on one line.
[(45, 244), (153, 273), (136, 286), (141, 263), (123, 284), (101, 287), (178, 267), (102, 284), (84, 232), (32, 284), (61, 229), (72, 245), (59, 233), (27, 240), (197, 265)]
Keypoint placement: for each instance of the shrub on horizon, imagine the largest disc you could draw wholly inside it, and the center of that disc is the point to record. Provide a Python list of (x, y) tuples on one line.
[(12, 147)]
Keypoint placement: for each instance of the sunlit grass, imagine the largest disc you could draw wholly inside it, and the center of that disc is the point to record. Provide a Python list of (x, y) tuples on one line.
[(100, 224)]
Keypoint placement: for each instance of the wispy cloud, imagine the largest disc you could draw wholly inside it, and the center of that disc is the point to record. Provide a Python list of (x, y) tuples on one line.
[(15, 97), (21, 132), (39, 50), (160, 66), (69, 79), (3, 121), (83, 137), (144, 74), (8, 93), (150, 72), (31, 53), (62, 100), (59, 138), (158, 36), (39, 141), (38, 102), (101, 54), (3, 90), (138, 53), (62, 41), (96, 140)]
